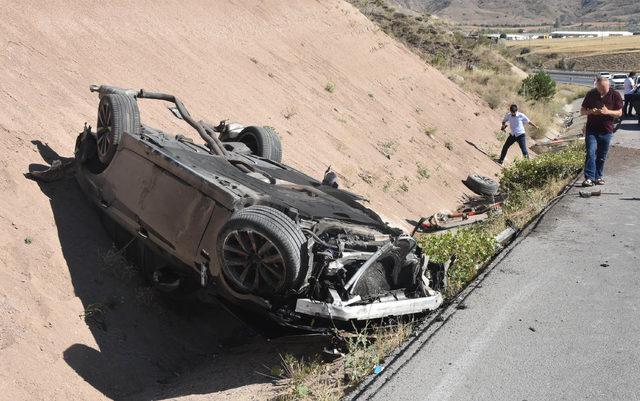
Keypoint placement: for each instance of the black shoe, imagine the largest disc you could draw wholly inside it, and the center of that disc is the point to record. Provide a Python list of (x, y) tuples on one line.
[(587, 183)]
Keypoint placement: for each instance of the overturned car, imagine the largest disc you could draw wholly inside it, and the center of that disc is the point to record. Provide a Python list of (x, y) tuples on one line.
[(264, 236)]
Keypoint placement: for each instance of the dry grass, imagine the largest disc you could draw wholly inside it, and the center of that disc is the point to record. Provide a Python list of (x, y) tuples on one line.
[(582, 54), (498, 90), (578, 46), (567, 93), (115, 264), (501, 90), (312, 379), (309, 379), (542, 114)]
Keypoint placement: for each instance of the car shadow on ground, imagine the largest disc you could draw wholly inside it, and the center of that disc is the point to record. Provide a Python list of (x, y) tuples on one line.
[(144, 343)]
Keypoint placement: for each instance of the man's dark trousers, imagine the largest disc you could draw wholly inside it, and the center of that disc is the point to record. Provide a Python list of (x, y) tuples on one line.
[(510, 141)]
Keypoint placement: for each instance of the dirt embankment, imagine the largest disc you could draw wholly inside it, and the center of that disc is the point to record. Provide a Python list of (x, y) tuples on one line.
[(265, 62)]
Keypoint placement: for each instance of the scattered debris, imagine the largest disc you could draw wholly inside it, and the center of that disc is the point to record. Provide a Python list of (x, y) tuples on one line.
[(589, 194), (482, 185), (445, 220), (58, 170), (330, 178)]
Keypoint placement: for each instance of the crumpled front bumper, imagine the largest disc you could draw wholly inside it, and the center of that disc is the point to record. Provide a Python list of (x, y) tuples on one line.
[(391, 305)]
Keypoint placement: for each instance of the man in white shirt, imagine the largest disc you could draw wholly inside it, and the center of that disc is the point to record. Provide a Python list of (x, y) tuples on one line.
[(629, 89), (517, 121)]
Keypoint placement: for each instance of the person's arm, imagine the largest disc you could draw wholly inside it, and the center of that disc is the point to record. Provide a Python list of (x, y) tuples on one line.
[(617, 107), (504, 123), (587, 112), (586, 109), (612, 113), (526, 120)]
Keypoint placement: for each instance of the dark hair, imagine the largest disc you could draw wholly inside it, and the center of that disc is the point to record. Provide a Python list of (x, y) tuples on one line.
[(513, 108), (632, 74)]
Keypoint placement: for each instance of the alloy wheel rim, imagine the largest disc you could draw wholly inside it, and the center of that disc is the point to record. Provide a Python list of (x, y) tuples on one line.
[(253, 262), (104, 134)]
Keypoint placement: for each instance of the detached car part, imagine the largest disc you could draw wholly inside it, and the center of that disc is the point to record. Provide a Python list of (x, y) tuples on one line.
[(482, 185), (230, 217)]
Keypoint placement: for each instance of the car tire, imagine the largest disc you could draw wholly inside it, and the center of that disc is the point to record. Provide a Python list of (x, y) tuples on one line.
[(260, 252), (263, 142), (482, 185), (117, 114)]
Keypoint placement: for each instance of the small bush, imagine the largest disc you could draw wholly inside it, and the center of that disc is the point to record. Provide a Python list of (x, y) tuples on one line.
[(471, 247), (388, 148), (330, 87), (366, 177), (539, 86), (430, 132), (448, 145), (423, 172), (368, 349), (537, 172)]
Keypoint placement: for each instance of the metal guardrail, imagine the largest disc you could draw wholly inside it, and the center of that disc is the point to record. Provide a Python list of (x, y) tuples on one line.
[(572, 73)]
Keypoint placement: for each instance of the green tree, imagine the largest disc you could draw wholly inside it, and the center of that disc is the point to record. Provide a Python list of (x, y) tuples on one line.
[(538, 86)]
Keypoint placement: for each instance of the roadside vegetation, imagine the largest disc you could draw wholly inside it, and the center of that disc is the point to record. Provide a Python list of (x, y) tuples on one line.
[(530, 184)]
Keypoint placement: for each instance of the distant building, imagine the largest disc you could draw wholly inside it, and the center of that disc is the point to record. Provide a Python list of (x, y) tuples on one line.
[(589, 34), (512, 36)]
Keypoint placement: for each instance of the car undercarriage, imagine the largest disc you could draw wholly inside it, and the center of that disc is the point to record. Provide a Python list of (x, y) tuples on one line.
[(230, 216)]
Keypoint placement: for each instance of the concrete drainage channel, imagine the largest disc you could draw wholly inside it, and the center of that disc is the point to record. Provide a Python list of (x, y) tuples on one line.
[(510, 237)]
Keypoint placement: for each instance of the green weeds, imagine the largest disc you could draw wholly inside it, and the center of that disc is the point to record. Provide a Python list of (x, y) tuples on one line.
[(470, 246)]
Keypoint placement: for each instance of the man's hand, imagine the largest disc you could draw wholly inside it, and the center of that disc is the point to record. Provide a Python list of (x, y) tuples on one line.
[(613, 113), (504, 127), (585, 112), (533, 125)]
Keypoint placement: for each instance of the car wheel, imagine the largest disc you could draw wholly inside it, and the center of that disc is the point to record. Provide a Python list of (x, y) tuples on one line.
[(263, 142), (260, 251), (117, 114), (482, 185)]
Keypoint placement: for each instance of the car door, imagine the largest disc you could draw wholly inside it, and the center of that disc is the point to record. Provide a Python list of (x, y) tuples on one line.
[(158, 205)]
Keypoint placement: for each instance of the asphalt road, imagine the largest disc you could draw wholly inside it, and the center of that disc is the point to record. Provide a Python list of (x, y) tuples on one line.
[(557, 318)]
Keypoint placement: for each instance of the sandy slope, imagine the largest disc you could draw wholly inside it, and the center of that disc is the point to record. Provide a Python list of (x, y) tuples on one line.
[(251, 61)]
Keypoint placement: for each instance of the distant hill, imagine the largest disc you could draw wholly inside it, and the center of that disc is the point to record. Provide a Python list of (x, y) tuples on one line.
[(511, 12)]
